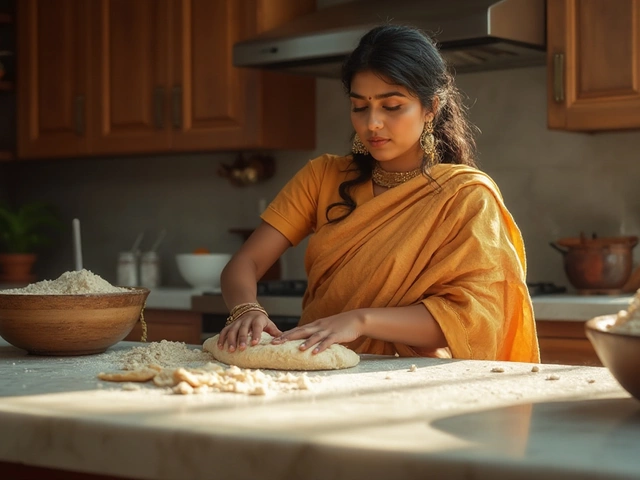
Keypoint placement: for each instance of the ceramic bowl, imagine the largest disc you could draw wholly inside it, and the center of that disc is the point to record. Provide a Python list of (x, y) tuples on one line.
[(619, 352), (202, 270), (69, 324)]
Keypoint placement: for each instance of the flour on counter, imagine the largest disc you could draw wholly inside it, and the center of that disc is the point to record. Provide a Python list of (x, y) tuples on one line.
[(175, 367), (80, 282), (164, 354)]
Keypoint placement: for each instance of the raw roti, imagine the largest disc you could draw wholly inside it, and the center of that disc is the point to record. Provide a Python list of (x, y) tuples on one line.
[(285, 356)]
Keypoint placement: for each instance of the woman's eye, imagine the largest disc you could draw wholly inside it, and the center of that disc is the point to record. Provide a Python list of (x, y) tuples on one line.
[(393, 109), (358, 109)]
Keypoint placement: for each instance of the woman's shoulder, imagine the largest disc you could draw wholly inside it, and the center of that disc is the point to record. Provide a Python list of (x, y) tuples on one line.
[(460, 176), (330, 165)]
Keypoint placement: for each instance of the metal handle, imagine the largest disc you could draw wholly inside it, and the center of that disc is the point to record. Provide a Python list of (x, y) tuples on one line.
[(558, 77), (158, 107), (176, 107), (78, 106)]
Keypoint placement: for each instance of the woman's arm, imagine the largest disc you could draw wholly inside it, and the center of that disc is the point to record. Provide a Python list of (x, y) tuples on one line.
[(412, 325), (239, 284)]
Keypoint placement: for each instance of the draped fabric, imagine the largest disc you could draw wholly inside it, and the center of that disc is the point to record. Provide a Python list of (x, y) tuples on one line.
[(447, 241)]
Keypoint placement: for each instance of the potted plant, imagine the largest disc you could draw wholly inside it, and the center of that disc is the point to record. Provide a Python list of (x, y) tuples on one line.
[(23, 231)]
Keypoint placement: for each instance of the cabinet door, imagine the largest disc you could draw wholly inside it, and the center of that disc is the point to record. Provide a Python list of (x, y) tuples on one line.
[(130, 53), (208, 109), (216, 106), (594, 64), (53, 80)]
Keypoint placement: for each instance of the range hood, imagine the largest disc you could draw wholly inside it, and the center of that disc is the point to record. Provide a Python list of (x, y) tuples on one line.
[(472, 35)]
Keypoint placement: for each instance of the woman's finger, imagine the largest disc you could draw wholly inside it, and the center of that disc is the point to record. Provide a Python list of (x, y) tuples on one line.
[(272, 329), (324, 344), (313, 340), (243, 334)]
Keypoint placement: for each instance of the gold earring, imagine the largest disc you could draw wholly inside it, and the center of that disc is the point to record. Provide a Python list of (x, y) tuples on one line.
[(428, 142), (358, 147)]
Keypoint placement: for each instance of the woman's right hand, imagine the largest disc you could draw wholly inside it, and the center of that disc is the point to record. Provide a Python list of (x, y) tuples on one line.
[(236, 335)]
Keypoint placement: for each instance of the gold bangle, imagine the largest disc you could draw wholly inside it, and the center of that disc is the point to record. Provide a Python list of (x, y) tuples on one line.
[(239, 310)]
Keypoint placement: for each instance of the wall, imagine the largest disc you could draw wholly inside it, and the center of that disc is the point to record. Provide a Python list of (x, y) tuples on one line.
[(556, 184)]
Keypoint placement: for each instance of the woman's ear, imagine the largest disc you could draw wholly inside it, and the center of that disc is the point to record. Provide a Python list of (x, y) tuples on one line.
[(435, 103)]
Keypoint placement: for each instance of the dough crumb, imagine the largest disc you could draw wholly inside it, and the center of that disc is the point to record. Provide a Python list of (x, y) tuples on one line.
[(388, 377), (413, 368), (591, 380), (497, 370), (553, 377), (535, 369)]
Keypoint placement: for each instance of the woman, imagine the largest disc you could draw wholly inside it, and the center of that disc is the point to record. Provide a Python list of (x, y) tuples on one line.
[(412, 251)]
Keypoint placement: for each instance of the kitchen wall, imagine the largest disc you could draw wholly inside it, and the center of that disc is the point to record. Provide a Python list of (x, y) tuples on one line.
[(556, 184)]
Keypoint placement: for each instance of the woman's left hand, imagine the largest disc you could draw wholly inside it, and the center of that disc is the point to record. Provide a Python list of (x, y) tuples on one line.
[(341, 328)]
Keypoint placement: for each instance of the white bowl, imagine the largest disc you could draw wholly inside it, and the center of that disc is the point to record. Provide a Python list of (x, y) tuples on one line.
[(202, 270)]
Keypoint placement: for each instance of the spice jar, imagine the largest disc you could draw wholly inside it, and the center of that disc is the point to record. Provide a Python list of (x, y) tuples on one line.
[(149, 270), (127, 269)]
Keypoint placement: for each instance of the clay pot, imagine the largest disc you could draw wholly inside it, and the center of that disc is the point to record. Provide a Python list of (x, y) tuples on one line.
[(15, 268), (597, 265)]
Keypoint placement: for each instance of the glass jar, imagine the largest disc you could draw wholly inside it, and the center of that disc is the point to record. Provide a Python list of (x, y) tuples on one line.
[(149, 270), (127, 269)]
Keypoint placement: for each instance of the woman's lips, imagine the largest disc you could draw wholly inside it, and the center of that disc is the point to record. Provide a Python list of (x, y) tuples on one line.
[(378, 142)]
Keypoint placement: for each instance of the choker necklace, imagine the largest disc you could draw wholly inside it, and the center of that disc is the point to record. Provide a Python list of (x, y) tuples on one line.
[(386, 179)]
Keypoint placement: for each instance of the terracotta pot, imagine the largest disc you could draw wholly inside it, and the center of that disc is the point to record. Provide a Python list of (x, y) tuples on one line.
[(597, 264), (16, 267)]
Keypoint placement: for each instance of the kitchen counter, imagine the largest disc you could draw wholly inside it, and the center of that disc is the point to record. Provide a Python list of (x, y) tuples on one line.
[(447, 419)]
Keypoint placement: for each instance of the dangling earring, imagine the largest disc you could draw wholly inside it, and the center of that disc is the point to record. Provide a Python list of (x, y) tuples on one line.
[(428, 142), (358, 146)]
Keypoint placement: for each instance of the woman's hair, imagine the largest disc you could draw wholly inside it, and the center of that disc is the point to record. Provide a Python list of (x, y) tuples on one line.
[(405, 56)]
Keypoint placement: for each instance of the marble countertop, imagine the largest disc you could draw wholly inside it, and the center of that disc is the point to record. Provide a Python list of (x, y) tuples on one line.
[(452, 419), (546, 307)]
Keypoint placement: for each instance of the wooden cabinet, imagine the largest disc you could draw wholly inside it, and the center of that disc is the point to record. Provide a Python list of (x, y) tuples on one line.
[(593, 52), (155, 76), (565, 342), (53, 78), (174, 325)]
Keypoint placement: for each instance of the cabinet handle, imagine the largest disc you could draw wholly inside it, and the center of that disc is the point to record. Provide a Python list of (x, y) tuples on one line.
[(78, 107), (158, 107), (558, 77), (176, 106)]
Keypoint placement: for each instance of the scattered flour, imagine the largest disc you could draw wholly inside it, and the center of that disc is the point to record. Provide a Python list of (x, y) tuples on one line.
[(69, 283), (165, 354), (178, 369)]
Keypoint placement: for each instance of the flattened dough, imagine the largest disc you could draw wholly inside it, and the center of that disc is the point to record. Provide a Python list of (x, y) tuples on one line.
[(286, 356)]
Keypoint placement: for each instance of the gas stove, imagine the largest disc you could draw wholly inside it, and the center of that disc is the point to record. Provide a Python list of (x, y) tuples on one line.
[(282, 288), (544, 288)]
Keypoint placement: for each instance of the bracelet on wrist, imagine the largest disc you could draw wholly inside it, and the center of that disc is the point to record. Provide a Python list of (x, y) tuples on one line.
[(241, 309)]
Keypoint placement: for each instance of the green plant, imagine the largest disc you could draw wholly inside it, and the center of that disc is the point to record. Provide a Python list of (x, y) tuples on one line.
[(26, 228)]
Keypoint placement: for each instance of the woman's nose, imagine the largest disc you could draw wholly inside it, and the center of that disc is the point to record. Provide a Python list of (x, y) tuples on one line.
[(374, 122)]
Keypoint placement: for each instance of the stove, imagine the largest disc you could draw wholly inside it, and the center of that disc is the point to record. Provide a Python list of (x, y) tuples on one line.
[(544, 288), (282, 288)]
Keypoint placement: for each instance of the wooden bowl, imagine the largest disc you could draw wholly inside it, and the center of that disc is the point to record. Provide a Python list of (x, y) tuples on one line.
[(69, 324), (619, 352)]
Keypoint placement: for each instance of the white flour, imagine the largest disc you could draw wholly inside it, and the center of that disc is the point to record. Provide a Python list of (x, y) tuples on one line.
[(165, 354), (69, 283), (628, 321)]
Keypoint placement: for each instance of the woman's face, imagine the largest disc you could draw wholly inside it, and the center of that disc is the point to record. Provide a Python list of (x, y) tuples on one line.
[(389, 120)]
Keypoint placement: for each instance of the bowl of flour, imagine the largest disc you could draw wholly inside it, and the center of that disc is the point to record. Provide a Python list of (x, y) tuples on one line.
[(79, 313), (616, 340)]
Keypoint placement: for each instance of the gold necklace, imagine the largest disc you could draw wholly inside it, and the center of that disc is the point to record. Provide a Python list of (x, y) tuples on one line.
[(386, 179)]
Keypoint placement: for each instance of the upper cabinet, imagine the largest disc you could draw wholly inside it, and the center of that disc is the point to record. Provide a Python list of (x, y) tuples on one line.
[(593, 64), (154, 76)]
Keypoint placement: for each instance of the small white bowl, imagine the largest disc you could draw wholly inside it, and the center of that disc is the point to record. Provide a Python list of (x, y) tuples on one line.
[(202, 270)]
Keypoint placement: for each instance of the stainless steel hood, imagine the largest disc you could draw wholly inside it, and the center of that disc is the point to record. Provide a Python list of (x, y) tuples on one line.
[(471, 34)]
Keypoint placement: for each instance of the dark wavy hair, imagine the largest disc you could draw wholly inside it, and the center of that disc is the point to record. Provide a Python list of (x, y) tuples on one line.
[(408, 57)]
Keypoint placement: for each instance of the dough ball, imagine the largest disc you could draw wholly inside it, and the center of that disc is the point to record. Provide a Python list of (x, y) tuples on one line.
[(285, 356)]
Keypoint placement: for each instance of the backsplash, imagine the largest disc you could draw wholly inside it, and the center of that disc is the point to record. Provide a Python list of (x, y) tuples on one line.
[(556, 184)]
